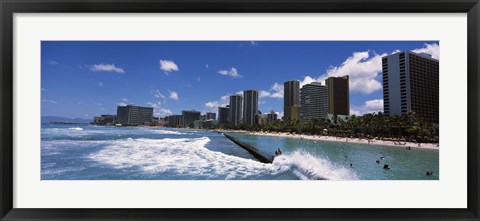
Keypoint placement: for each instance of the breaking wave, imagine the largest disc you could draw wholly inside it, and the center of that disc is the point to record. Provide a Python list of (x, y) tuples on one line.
[(189, 157), (307, 167), (166, 132), (185, 156)]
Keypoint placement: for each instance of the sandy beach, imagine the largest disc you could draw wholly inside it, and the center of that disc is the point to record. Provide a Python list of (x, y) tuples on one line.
[(342, 139)]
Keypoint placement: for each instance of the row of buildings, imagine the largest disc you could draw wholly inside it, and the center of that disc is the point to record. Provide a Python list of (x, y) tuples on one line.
[(129, 115), (410, 84), (242, 108), (316, 101), (311, 101), (191, 118)]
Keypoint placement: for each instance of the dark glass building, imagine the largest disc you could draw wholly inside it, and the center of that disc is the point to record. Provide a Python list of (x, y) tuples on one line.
[(189, 116), (291, 100), (250, 106), (134, 115), (338, 95), (210, 116), (235, 112), (313, 101), (174, 120), (223, 115), (272, 117)]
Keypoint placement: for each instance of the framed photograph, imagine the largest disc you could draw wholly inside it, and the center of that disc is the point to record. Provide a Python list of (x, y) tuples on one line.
[(199, 110)]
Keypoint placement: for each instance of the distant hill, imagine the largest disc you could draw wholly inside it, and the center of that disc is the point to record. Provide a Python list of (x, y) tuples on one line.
[(50, 119)]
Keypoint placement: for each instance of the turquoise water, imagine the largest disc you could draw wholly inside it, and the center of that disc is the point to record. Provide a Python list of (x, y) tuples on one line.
[(404, 164), (85, 152)]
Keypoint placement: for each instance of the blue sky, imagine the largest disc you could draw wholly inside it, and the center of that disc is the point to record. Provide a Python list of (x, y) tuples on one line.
[(87, 78)]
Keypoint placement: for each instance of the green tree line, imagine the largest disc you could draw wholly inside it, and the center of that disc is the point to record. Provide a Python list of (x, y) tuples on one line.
[(408, 127)]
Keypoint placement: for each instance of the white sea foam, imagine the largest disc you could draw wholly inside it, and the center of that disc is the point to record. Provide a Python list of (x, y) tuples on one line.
[(75, 128), (185, 156), (307, 166), (189, 157), (166, 132), (58, 171)]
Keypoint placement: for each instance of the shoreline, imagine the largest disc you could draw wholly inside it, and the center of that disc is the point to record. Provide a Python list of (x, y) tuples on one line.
[(432, 146)]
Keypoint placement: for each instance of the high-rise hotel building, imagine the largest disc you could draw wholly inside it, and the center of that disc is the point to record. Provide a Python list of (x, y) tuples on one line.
[(174, 120), (291, 100), (223, 115), (189, 116), (411, 84), (313, 101), (235, 111), (210, 116), (338, 95), (250, 106), (134, 115), (272, 117)]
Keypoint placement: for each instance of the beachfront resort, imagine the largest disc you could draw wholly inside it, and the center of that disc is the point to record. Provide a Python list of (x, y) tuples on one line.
[(410, 114)]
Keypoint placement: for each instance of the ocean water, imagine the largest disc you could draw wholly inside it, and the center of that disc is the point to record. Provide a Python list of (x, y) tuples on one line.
[(85, 152)]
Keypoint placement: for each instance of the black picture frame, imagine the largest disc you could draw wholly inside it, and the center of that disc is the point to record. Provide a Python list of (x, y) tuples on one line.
[(9, 7)]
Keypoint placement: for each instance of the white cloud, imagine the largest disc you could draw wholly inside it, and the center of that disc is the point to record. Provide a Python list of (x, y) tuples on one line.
[(159, 95), (49, 101), (364, 68), (122, 104), (106, 67), (100, 84), (162, 112), (212, 104), (206, 65), (431, 49), (374, 104), (279, 115), (173, 95), (52, 62), (307, 80), (276, 91), (225, 100), (222, 102), (124, 99), (263, 94), (168, 66), (154, 105), (368, 107), (232, 73)]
